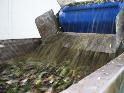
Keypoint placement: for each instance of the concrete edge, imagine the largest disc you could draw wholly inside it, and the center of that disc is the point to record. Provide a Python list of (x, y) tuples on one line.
[(13, 48), (107, 79)]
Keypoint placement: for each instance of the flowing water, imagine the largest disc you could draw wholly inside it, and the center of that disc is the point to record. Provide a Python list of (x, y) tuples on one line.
[(60, 61)]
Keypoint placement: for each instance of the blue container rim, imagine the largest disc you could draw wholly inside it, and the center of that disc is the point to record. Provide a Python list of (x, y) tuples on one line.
[(92, 6)]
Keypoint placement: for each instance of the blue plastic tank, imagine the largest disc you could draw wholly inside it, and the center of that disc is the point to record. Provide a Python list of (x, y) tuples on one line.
[(92, 18)]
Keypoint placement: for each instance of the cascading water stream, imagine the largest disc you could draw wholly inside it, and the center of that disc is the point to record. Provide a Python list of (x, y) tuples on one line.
[(60, 61)]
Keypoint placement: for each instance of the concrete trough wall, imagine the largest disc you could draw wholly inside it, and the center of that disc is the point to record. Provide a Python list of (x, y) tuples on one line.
[(107, 79), (17, 47)]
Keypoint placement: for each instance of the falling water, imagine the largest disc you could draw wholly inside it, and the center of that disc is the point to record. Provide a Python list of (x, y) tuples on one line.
[(60, 61)]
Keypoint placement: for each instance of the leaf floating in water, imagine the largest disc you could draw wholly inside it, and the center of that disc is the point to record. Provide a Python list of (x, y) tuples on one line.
[(11, 82), (24, 81), (37, 81), (50, 90)]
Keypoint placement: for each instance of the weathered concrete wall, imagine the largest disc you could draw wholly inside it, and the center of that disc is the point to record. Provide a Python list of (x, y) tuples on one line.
[(120, 27), (13, 48), (47, 24), (108, 79)]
